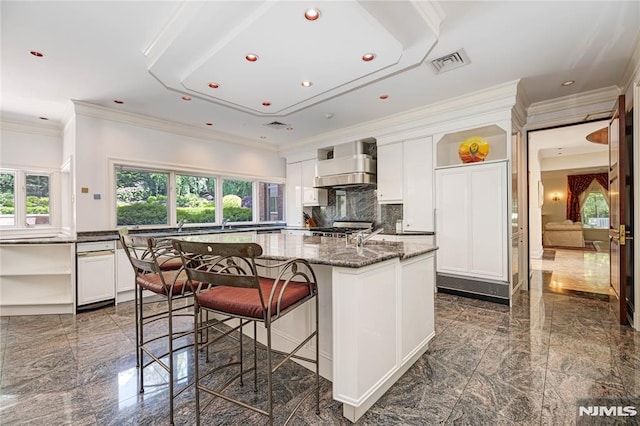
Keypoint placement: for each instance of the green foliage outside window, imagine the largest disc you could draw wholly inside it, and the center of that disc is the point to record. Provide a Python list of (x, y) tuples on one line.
[(595, 211)]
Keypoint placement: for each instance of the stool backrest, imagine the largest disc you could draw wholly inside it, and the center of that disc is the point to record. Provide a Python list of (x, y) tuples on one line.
[(139, 251), (221, 264)]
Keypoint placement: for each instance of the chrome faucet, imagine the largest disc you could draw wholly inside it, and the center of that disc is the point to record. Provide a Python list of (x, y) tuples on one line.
[(181, 224), (362, 238), (224, 222)]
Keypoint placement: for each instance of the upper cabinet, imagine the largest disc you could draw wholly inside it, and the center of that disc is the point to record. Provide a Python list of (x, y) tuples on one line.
[(405, 176), (311, 196), (390, 173), (294, 194), (417, 185), (300, 190)]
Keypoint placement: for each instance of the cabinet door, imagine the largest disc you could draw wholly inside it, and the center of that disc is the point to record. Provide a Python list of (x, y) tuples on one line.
[(125, 277), (472, 230), (96, 278), (294, 194), (311, 196), (418, 185), (452, 220), (487, 220), (389, 175)]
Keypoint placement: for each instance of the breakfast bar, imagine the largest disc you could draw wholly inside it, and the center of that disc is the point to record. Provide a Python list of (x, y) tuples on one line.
[(376, 307)]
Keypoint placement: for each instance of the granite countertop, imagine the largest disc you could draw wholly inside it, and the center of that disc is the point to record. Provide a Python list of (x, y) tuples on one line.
[(322, 250), (89, 237), (408, 233)]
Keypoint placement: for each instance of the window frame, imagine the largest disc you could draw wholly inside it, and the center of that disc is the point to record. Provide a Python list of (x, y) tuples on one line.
[(20, 227), (173, 170), (584, 224)]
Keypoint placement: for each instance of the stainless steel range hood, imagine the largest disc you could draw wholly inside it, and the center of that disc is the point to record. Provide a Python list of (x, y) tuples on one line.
[(344, 165)]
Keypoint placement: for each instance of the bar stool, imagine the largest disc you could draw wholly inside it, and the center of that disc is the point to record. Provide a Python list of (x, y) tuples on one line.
[(237, 291), (156, 270)]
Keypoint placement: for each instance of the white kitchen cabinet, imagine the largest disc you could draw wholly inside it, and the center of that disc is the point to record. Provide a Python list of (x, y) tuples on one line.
[(294, 194), (296, 232), (405, 176), (405, 238), (390, 173), (96, 273), (311, 196), (472, 221), (37, 279), (125, 277), (300, 190), (417, 187)]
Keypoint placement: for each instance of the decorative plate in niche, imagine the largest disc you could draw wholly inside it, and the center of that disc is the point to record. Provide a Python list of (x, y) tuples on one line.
[(473, 149)]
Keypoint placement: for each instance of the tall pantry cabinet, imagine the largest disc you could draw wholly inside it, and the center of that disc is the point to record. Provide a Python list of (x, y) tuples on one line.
[(474, 203)]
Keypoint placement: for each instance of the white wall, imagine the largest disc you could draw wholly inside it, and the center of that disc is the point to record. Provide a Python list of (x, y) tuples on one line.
[(565, 162), (554, 183), (535, 212), (98, 141), (30, 149)]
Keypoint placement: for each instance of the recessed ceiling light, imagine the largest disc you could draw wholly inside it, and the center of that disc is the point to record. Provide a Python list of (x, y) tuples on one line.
[(118, 101), (186, 98), (312, 14), (368, 57), (209, 124), (263, 137), (289, 128), (43, 118), (251, 57), (384, 96), (328, 115), (266, 104), (568, 82), (307, 83), (36, 53), (213, 85)]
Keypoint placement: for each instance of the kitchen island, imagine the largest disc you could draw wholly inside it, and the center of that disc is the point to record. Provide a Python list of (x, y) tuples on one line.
[(376, 309)]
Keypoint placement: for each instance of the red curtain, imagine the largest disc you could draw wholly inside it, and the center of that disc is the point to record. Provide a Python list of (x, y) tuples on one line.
[(576, 185)]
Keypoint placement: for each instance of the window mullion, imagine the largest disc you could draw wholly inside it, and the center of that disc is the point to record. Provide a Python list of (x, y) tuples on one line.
[(21, 200)]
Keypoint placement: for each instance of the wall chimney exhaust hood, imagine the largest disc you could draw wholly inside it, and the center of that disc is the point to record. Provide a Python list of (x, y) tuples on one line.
[(349, 164)]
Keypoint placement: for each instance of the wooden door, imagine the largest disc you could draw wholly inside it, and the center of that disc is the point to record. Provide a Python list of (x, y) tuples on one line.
[(621, 217)]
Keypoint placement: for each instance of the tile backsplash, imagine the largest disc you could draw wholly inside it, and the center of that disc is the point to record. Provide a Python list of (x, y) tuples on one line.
[(357, 203)]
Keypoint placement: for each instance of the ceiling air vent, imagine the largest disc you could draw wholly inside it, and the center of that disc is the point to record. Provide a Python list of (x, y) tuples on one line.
[(276, 125), (451, 61)]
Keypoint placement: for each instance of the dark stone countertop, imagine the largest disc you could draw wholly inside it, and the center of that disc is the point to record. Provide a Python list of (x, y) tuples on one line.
[(112, 235), (322, 250)]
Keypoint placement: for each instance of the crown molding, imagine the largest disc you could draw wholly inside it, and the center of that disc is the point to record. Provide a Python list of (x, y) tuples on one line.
[(572, 109), (31, 128), (495, 98), (576, 101), (100, 112)]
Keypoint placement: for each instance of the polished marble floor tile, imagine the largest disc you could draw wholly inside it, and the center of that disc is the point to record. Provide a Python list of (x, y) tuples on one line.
[(529, 364)]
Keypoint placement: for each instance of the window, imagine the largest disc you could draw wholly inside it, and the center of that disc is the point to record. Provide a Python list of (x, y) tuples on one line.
[(148, 195), (270, 201), (595, 211), (37, 191), (7, 199), (25, 199), (237, 200), (195, 199), (141, 197)]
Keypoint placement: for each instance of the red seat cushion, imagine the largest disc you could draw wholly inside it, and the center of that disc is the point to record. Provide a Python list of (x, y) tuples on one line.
[(246, 301), (153, 282), (170, 263)]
